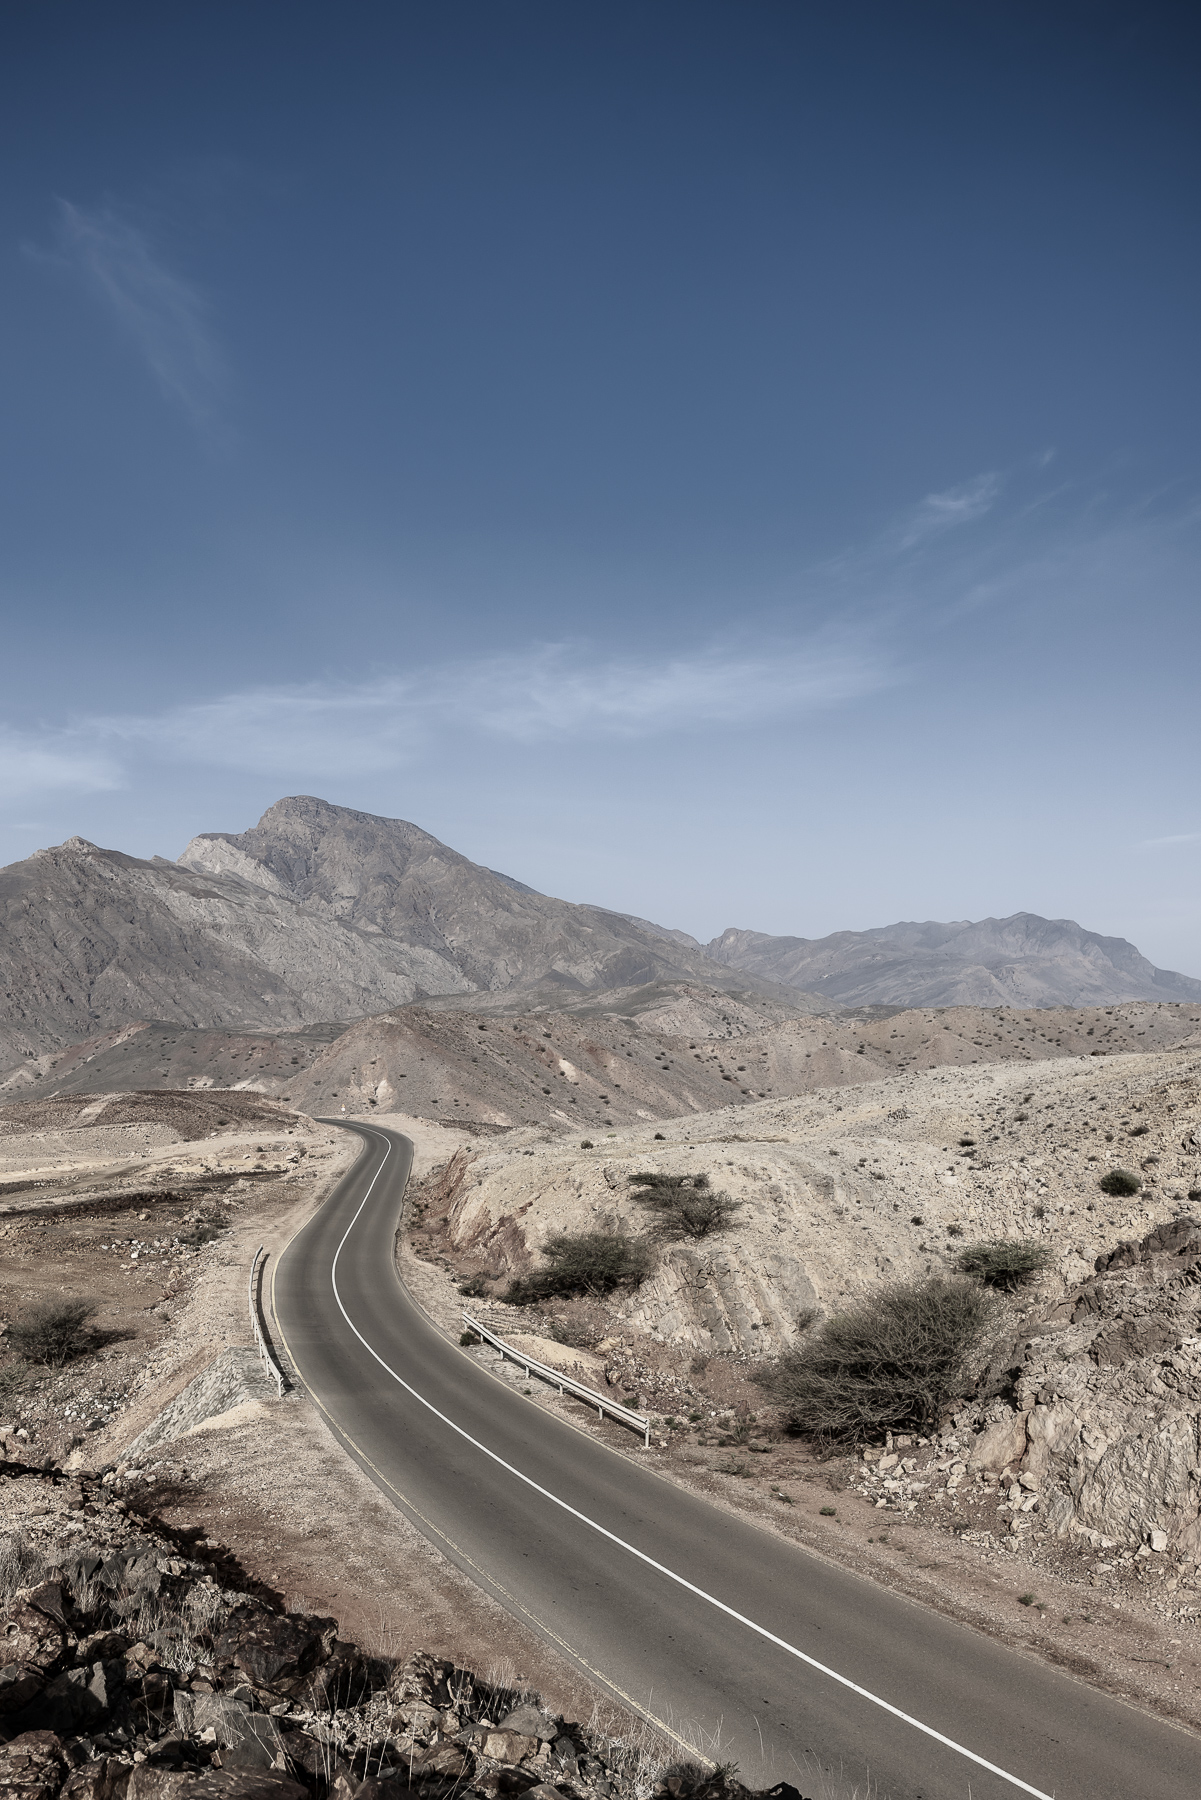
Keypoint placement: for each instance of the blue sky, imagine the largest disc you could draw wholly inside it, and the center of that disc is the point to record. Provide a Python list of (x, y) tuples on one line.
[(733, 463)]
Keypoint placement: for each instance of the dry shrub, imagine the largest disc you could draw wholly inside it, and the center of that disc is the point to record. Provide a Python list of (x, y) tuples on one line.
[(684, 1205), (54, 1332), (1121, 1183), (1006, 1263), (587, 1262), (892, 1361)]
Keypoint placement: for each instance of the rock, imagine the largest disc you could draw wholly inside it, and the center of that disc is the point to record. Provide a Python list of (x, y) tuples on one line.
[(32, 1766), (416, 1715), (278, 1653), (1158, 1541), (33, 1632), (19, 1684), (244, 1739), (532, 1722), (148, 1783), (342, 1680), (444, 1758), (1002, 1443), (1148, 1336), (507, 1746), (74, 1701), (104, 1779)]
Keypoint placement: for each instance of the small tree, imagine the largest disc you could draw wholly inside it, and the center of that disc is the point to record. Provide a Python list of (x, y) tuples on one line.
[(54, 1332), (587, 1262), (685, 1205), (1121, 1183), (1006, 1263), (892, 1361)]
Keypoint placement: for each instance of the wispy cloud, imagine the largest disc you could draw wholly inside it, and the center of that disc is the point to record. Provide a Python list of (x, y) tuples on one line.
[(552, 692), (1170, 843), (32, 763), (166, 317), (954, 506)]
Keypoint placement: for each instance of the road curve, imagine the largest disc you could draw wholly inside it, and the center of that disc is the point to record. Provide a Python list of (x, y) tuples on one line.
[(704, 1621)]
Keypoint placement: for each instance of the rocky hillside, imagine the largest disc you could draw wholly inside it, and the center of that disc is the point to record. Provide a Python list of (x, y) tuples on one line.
[(1020, 961), (137, 1663), (1096, 1391)]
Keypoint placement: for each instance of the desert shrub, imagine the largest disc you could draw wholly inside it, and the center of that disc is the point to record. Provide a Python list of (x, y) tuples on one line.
[(586, 1262), (474, 1287), (1139, 1130), (1005, 1262), (684, 1205), (54, 1332), (892, 1361), (587, 1144), (1119, 1182)]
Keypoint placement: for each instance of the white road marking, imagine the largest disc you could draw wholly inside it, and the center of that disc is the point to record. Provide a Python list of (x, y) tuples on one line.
[(720, 1605)]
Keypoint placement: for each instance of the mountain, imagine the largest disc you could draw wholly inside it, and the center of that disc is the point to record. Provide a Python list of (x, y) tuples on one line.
[(1020, 961), (318, 913)]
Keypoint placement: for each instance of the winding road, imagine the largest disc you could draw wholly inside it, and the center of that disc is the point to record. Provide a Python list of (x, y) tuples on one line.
[(741, 1643)]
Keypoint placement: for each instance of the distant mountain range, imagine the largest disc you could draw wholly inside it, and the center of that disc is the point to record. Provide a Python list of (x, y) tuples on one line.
[(1020, 961), (321, 913)]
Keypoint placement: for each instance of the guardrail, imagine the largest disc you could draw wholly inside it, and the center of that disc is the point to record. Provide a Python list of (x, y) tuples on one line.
[(564, 1383), (263, 1347)]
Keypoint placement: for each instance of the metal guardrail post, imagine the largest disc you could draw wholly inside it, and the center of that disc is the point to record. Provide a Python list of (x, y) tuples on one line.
[(260, 1340), (564, 1383)]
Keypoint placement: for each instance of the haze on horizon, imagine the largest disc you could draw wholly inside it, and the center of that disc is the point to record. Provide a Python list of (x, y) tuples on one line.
[(733, 465)]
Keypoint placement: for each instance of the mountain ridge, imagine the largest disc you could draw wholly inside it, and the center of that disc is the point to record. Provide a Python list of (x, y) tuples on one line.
[(1024, 959), (322, 913)]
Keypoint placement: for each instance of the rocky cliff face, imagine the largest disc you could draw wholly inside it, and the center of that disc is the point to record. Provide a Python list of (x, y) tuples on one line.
[(1020, 961)]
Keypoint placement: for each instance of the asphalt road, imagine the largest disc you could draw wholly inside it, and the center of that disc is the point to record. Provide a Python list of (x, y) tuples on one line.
[(702, 1620)]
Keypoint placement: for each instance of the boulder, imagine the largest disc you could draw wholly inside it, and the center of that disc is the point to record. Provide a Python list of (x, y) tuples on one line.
[(244, 1739), (532, 1722), (275, 1652), (1000, 1444), (33, 1631), (445, 1758), (506, 1746), (74, 1701), (19, 1684), (104, 1779), (32, 1766)]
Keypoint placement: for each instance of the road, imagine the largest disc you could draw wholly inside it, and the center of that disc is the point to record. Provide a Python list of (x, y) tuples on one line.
[(701, 1619)]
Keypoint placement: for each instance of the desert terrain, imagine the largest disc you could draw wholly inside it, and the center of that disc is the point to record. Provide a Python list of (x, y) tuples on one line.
[(154, 1204)]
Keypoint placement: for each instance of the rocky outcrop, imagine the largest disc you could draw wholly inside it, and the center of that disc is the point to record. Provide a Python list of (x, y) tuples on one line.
[(1102, 1400), (135, 1674)]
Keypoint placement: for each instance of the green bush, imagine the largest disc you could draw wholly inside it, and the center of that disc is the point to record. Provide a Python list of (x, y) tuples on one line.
[(1005, 1262), (893, 1361), (588, 1262), (54, 1332), (1119, 1182), (684, 1205)]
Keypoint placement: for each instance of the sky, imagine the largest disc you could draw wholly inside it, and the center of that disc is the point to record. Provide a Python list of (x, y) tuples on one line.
[(738, 464)]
